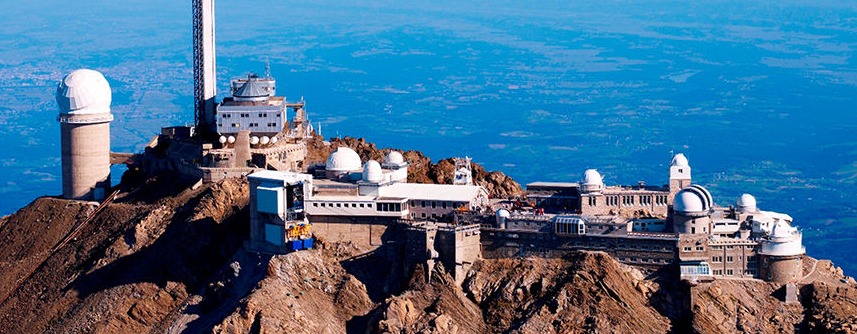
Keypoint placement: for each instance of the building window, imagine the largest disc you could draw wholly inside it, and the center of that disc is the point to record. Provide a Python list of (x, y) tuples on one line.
[(315, 204), (263, 115), (686, 249), (717, 259), (730, 272), (236, 125), (730, 259), (423, 215), (423, 204), (751, 258), (353, 205), (718, 272), (699, 248)]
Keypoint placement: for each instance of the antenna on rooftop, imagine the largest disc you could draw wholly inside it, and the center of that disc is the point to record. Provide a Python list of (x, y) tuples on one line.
[(267, 67)]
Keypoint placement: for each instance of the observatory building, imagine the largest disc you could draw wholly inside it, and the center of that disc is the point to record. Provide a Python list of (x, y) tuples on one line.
[(84, 98)]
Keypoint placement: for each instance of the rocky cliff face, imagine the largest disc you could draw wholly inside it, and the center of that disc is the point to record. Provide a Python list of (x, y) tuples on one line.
[(167, 258)]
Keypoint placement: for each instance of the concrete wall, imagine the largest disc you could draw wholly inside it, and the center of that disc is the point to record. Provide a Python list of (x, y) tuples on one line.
[(85, 159)]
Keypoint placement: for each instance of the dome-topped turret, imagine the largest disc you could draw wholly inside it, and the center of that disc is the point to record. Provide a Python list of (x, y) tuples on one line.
[(747, 204), (343, 159), (84, 92), (785, 240), (679, 160), (693, 200), (592, 181), (394, 158), (372, 172)]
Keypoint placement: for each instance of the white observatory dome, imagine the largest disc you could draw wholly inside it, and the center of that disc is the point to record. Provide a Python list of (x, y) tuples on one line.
[(747, 203), (84, 92), (679, 160), (372, 172), (592, 181), (592, 177), (394, 157), (693, 200), (503, 213), (343, 159)]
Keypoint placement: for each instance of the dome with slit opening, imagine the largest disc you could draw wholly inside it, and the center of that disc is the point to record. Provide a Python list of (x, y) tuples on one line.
[(693, 200)]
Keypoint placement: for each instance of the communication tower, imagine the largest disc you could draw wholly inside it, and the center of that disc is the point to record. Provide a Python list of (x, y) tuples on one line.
[(204, 73)]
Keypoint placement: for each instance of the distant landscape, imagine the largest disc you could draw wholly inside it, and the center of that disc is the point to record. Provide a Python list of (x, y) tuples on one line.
[(761, 98)]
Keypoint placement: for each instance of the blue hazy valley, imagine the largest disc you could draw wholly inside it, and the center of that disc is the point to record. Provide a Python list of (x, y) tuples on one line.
[(760, 97)]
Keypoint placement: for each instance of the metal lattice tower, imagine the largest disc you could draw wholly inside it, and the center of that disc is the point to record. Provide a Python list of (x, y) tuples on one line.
[(204, 75)]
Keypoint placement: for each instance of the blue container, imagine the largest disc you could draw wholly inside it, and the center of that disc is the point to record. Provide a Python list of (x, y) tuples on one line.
[(295, 245), (308, 243)]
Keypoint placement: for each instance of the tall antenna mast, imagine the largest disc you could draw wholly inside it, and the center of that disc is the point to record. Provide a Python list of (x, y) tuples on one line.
[(267, 67), (204, 74)]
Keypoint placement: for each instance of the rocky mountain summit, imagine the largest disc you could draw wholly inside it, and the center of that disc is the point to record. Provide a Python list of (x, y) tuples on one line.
[(168, 257)]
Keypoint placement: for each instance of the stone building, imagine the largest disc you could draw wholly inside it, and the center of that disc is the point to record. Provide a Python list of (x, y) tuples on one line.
[(590, 196)]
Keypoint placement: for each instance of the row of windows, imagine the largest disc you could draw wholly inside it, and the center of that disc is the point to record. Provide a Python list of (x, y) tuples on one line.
[(689, 249), (340, 205), (389, 207), (424, 215), (252, 125), (383, 207), (437, 204), (645, 260), (570, 228), (243, 115), (719, 259), (629, 200), (748, 247), (731, 272), (647, 247)]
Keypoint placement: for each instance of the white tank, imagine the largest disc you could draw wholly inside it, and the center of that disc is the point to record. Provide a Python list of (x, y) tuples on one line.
[(274, 140), (84, 98), (254, 140), (265, 140), (502, 216), (222, 139), (230, 139)]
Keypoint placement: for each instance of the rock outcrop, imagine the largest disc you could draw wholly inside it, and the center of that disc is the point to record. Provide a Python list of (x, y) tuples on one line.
[(421, 169)]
